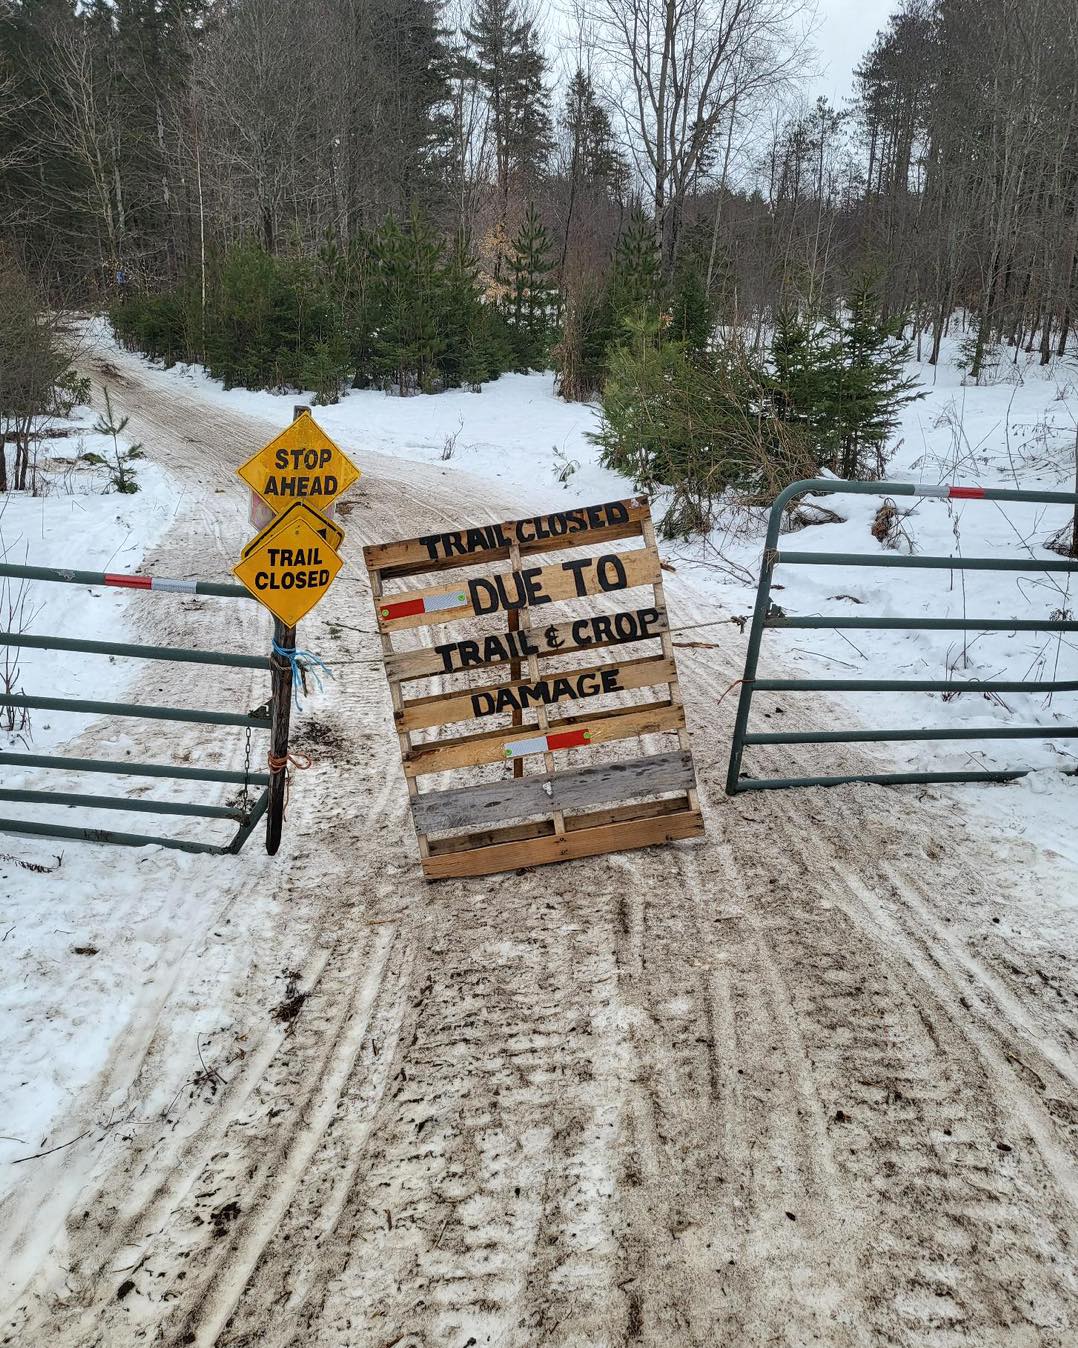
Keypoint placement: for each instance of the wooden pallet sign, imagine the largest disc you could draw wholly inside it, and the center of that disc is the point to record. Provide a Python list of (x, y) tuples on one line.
[(527, 626)]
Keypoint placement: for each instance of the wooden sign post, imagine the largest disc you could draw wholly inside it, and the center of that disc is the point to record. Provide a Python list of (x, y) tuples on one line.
[(525, 675)]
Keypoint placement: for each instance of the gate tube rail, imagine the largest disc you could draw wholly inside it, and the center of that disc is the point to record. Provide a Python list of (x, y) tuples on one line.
[(31, 828), (71, 799), (125, 648), (172, 770), (140, 710)]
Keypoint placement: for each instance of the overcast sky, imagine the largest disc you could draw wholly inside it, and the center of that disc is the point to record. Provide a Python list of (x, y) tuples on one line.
[(846, 30)]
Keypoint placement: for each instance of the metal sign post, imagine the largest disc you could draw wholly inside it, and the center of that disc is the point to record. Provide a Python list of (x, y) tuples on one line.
[(289, 566), (284, 638)]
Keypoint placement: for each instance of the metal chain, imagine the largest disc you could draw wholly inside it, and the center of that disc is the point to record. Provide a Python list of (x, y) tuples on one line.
[(245, 796)]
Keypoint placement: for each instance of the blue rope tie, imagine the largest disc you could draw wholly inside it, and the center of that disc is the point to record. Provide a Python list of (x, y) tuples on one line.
[(302, 662)]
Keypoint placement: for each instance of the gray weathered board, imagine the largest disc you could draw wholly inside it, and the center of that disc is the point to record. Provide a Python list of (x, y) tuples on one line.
[(491, 600)]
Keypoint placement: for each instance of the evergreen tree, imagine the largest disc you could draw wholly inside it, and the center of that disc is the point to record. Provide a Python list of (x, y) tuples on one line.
[(509, 66), (595, 158), (409, 127), (693, 306), (636, 282), (325, 364), (691, 311), (394, 308), (843, 381), (805, 371), (476, 349), (150, 58), (697, 425), (533, 299), (873, 386), (410, 289), (597, 172), (350, 272), (248, 320)]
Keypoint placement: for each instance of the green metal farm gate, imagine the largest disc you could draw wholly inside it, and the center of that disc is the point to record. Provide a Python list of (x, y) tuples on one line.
[(765, 618), (268, 788)]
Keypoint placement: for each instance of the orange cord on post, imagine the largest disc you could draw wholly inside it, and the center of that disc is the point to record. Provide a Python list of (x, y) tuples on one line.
[(281, 763)]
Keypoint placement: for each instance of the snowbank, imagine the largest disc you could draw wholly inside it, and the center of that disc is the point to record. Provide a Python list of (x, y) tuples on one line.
[(62, 1008)]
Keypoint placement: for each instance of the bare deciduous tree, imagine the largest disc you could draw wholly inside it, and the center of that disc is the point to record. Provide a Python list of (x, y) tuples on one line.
[(677, 69)]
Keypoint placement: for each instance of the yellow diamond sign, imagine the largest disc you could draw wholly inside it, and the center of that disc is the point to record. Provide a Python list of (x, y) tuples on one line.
[(325, 528), (290, 571), (301, 464)]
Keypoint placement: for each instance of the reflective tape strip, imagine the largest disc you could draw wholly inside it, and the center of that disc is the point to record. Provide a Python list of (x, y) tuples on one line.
[(949, 492), (129, 582), (404, 608), (174, 586), (518, 748), (568, 739), (151, 583), (542, 744), (435, 602)]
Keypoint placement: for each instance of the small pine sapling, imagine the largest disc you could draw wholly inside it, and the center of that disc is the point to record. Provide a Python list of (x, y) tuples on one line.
[(121, 475), (533, 301)]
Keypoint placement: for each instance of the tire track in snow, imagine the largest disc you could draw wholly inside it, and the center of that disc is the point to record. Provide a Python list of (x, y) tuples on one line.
[(266, 1196)]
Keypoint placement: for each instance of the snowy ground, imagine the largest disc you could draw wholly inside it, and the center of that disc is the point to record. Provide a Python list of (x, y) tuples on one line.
[(866, 941)]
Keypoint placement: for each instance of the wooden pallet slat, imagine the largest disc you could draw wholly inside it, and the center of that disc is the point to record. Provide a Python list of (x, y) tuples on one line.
[(597, 632), (463, 842), (473, 806), (529, 587), (486, 543), (572, 807), (572, 844), (474, 751), (520, 695)]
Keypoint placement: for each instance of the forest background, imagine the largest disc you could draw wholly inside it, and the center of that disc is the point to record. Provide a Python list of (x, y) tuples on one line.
[(415, 195)]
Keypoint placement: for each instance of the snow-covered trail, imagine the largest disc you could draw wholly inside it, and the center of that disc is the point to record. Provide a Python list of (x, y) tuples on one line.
[(809, 1079)]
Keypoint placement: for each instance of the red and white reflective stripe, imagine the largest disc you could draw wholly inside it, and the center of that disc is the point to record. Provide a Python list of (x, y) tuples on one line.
[(432, 603), (542, 744), (151, 583), (951, 493)]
